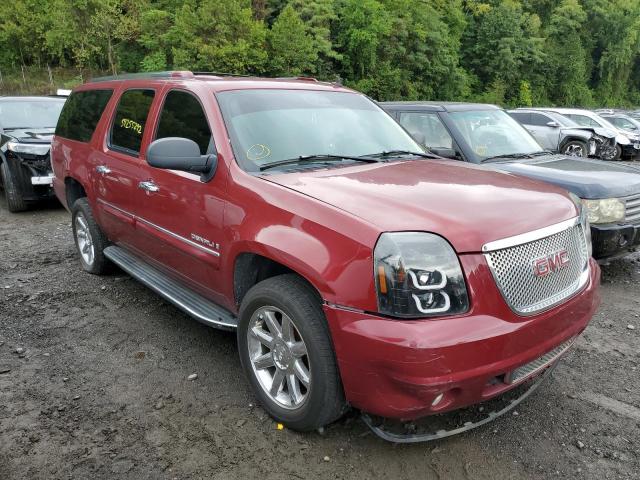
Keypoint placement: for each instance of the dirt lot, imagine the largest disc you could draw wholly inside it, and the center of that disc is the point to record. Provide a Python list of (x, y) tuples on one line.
[(101, 390)]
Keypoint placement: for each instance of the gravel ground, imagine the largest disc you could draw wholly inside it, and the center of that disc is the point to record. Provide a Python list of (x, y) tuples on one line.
[(100, 389)]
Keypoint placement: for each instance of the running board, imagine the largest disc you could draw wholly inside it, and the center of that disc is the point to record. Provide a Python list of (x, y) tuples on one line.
[(184, 298)]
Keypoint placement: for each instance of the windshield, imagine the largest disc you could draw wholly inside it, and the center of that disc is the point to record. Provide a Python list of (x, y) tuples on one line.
[(492, 133), (30, 114), (268, 126), (624, 122)]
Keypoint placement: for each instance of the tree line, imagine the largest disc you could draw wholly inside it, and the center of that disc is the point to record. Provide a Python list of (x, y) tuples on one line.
[(511, 52)]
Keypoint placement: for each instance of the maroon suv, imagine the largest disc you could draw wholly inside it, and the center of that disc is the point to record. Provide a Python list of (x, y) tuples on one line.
[(356, 269)]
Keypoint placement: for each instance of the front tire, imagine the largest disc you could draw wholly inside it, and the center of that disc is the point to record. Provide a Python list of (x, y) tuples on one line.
[(616, 155), (12, 194), (89, 238), (287, 355), (576, 148)]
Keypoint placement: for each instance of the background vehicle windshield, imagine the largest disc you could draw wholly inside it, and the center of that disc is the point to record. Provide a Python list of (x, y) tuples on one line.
[(624, 122), (268, 126), (30, 114), (492, 133)]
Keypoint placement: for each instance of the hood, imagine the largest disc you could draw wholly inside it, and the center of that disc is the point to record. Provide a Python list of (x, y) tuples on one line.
[(29, 135), (587, 178), (466, 204), (603, 132)]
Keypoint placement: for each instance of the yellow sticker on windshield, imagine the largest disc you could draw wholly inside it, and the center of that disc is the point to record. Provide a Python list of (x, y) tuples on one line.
[(481, 149), (258, 152), (131, 125)]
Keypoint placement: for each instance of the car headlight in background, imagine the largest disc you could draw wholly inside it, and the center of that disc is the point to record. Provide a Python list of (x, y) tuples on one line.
[(27, 148), (608, 210), (418, 275)]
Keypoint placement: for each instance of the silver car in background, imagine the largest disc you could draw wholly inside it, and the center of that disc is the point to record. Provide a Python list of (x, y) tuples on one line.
[(627, 143), (558, 133)]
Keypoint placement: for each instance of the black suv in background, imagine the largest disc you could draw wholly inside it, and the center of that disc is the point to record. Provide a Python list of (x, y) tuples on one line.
[(26, 130), (486, 134)]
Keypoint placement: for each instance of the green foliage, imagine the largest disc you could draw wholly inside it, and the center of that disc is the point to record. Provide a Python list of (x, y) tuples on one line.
[(291, 50), (510, 52)]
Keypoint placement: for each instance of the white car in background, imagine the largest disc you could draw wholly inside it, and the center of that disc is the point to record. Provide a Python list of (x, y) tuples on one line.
[(627, 143)]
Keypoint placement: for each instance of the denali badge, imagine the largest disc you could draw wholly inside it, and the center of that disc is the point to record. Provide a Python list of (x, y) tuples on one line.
[(551, 263), (204, 241)]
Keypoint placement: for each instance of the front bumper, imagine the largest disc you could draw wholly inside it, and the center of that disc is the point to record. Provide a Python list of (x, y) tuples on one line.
[(614, 240), (397, 368), (632, 149)]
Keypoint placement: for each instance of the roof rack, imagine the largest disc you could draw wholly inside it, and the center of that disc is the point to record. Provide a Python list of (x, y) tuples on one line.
[(223, 74), (133, 76), (186, 74)]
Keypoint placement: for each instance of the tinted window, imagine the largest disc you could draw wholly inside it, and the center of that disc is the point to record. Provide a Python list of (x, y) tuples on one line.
[(539, 120), (522, 117), (81, 114), (429, 125), (130, 119), (182, 116)]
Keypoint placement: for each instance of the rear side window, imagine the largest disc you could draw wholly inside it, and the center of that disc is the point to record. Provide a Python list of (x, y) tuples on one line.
[(130, 120), (522, 117), (539, 120), (81, 114), (183, 116), (430, 126)]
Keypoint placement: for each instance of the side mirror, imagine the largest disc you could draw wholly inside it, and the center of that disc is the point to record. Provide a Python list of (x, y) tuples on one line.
[(553, 124), (444, 152), (177, 153)]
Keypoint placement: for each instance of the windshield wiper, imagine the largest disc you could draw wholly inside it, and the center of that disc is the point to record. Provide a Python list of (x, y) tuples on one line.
[(317, 158), (507, 155), (399, 153), (541, 152)]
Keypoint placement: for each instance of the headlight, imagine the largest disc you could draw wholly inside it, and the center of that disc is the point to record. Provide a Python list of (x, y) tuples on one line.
[(608, 210), (28, 148), (418, 275), (584, 220)]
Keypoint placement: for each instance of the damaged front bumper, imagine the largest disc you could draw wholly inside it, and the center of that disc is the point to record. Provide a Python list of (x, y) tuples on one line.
[(32, 173)]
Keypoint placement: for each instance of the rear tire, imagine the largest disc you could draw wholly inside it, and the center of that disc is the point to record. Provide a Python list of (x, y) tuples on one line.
[(576, 148), (12, 195), (277, 362), (89, 238)]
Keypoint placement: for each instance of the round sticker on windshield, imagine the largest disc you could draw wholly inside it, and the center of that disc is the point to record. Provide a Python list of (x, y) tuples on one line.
[(258, 152), (481, 149)]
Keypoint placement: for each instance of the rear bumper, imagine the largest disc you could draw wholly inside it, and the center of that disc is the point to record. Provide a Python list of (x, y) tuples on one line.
[(396, 368), (611, 241)]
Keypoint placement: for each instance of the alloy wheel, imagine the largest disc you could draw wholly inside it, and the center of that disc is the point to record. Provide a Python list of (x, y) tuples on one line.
[(83, 237), (279, 357), (574, 150)]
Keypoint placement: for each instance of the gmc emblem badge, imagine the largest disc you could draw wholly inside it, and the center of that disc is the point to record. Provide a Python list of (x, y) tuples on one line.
[(551, 263)]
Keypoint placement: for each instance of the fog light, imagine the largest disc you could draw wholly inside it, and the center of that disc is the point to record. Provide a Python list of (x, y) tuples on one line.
[(437, 400)]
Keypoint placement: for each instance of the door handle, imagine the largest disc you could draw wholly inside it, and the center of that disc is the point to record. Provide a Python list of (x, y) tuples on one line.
[(103, 169), (149, 186)]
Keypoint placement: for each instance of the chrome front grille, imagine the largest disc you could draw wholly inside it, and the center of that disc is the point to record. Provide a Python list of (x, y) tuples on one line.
[(514, 272), (539, 363), (633, 209)]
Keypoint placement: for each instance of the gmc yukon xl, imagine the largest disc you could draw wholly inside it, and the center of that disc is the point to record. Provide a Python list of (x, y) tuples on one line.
[(356, 269)]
